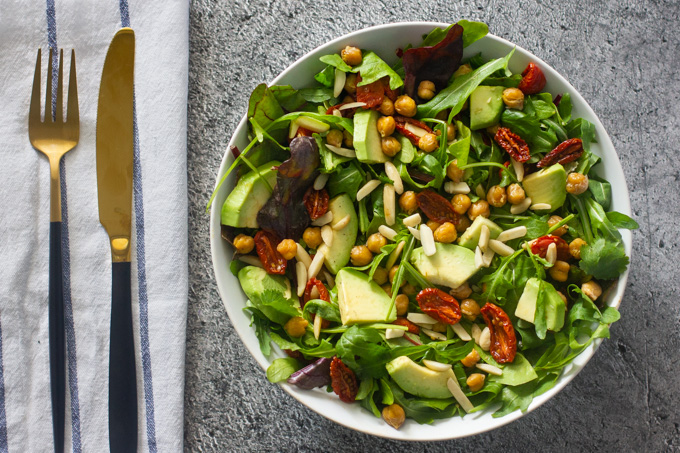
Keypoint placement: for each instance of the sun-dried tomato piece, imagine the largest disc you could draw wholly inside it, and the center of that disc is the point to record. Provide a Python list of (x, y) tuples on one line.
[(401, 126), (419, 176), (512, 144), (439, 305), (540, 247), (412, 328), (271, 259), (323, 295), (294, 354), (565, 152), (343, 381), (436, 207), (372, 94), (533, 79), (316, 202), (389, 92), (503, 339), (303, 132)]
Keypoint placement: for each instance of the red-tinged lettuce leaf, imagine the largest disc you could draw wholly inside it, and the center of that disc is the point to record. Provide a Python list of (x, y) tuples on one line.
[(285, 214), (316, 374), (434, 63)]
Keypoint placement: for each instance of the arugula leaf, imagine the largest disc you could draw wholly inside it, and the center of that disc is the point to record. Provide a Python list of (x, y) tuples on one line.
[(281, 369), (620, 220), (345, 180), (540, 106), (262, 325), (323, 349), (564, 108), (423, 410), (373, 68), (329, 160), (288, 97), (424, 163), (316, 95), (583, 129), (529, 128), (454, 96), (388, 396), (460, 149), (507, 82), (322, 308), (276, 301), (601, 191), (513, 398), (472, 31), (367, 390), (360, 349)]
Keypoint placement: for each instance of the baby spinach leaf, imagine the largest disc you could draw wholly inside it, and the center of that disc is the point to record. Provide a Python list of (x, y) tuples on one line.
[(507, 82), (473, 31), (540, 106), (388, 396), (516, 373), (336, 61), (329, 160), (322, 308), (513, 398), (564, 108), (361, 349), (347, 180), (323, 349), (620, 220), (326, 77), (583, 129), (316, 95), (288, 97), (529, 128), (281, 369), (601, 192), (460, 149), (368, 389), (373, 68), (423, 410), (262, 325)]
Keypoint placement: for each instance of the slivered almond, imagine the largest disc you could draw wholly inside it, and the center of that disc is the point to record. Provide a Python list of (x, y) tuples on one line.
[(479, 258), (458, 394), (393, 174), (388, 232), (487, 257), (412, 220), (521, 207), (317, 326), (293, 128), (329, 278), (251, 260), (393, 333), (485, 339), (461, 332), (456, 187), (415, 130), (303, 256), (301, 271), (500, 248), (389, 204), (475, 332), (342, 223), (490, 369), (433, 335), (352, 105), (344, 152), (314, 293), (512, 233), (436, 366), (317, 262), (337, 113), (484, 235), (367, 188), (320, 181), (519, 169), (327, 235), (421, 318), (395, 254), (339, 84), (324, 219), (551, 253), (540, 207), (414, 232), (427, 240)]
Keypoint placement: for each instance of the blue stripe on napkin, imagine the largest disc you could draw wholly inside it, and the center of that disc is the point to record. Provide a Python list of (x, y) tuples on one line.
[(65, 248), (141, 269)]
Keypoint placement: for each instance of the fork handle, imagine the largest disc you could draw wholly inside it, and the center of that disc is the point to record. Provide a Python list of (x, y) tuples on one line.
[(57, 338)]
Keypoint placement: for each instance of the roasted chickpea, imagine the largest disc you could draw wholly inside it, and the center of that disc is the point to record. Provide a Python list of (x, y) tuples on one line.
[(439, 327), (350, 84), (244, 244), (361, 255), (347, 99), (592, 289), (312, 237), (348, 139), (462, 70), (428, 142), (513, 98), (479, 208), (475, 381), (515, 193), (390, 146), (560, 271), (380, 276), (426, 90), (401, 303), (387, 288), (462, 292), (470, 309), (351, 55), (471, 359), (394, 415), (454, 173), (375, 242), (463, 224), (296, 326), (460, 203), (405, 106), (554, 220), (408, 289), (450, 132), (433, 225), (386, 106), (393, 273), (496, 196), (575, 247), (407, 202), (386, 126), (287, 248), (334, 137), (446, 233), (577, 183)]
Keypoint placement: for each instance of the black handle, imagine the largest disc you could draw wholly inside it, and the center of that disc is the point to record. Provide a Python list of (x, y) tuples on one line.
[(122, 380), (57, 338)]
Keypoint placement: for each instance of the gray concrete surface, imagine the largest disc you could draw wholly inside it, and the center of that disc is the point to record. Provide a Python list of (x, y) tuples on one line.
[(622, 55)]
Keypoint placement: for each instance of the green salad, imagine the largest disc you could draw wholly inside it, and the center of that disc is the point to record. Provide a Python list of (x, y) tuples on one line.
[(426, 239)]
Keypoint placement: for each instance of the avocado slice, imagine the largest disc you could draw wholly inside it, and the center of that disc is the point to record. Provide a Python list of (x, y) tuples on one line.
[(554, 305), (419, 380), (250, 194), (255, 281), (486, 106), (470, 238), (361, 300), (338, 254), (548, 185), (366, 137), (450, 266)]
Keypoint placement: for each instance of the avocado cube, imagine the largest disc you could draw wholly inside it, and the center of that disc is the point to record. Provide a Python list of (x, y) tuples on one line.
[(470, 238), (419, 380), (555, 307), (486, 106), (367, 143), (251, 193), (548, 185), (362, 300), (450, 266)]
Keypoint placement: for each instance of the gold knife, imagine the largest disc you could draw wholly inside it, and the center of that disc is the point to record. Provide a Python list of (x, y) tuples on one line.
[(114, 187)]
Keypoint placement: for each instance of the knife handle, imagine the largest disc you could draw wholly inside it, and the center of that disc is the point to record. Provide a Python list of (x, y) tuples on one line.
[(57, 338), (122, 380)]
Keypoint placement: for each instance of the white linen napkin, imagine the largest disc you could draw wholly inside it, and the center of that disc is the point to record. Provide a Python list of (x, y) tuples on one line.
[(159, 244)]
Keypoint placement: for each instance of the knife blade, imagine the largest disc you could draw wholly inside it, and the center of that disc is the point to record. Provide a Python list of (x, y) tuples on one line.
[(114, 190)]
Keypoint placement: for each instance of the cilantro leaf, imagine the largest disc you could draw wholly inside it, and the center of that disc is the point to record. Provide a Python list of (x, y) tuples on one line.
[(604, 260)]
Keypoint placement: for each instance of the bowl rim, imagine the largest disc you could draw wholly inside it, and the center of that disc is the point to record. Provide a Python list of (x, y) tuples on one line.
[(568, 374)]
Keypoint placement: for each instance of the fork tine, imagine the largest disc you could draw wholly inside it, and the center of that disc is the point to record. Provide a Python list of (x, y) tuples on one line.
[(59, 114), (48, 91), (34, 111), (73, 116)]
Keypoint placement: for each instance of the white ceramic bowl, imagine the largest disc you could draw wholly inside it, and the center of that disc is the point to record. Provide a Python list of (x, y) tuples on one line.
[(384, 39)]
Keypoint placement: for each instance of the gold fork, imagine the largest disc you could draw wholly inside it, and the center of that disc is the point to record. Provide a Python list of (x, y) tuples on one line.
[(54, 137)]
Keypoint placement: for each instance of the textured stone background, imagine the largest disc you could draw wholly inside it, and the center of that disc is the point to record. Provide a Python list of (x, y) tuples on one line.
[(622, 55)]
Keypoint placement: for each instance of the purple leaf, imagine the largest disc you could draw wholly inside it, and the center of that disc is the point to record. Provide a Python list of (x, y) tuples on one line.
[(316, 374)]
